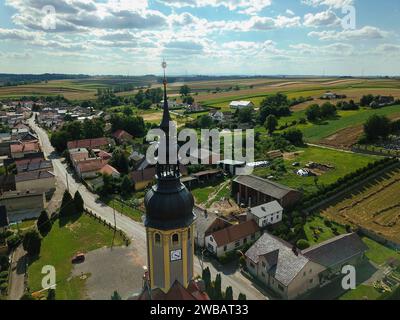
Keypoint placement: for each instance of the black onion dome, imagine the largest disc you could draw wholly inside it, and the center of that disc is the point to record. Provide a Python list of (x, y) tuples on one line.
[(169, 205)]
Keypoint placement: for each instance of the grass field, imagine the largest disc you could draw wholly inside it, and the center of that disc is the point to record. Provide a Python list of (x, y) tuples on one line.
[(316, 231), (126, 210), (374, 207), (379, 253), (343, 163), (362, 292), (79, 234)]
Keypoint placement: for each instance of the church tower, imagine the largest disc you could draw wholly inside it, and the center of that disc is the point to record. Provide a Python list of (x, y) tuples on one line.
[(169, 221)]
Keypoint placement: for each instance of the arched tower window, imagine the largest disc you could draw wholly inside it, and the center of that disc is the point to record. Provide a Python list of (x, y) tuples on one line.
[(157, 239), (175, 239)]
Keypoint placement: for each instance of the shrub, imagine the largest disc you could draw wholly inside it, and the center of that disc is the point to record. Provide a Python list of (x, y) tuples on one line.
[(302, 244), (328, 223)]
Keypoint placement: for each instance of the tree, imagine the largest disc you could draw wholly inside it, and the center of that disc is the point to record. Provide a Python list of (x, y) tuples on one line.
[(244, 115), (294, 136), (120, 161), (188, 100), (78, 201), (328, 110), (43, 223), (126, 185), (271, 123), (366, 100), (206, 276), (242, 297), (377, 127), (217, 291), (51, 294), (229, 293), (67, 205), (32, 242), (204, 122), (116, 296), (59, 140), (313, 112), (185, 90), (302, 244)]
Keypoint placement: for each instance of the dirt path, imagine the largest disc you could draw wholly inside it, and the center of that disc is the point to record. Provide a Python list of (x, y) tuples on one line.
[(17, 276)]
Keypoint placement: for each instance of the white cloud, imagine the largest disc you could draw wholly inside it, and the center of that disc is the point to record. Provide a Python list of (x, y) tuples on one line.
[(365, 33), (251, 7), (325, 18), (337, 4)]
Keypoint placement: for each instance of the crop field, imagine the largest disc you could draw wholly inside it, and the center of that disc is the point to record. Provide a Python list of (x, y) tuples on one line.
[(342, 163), (375, 207)]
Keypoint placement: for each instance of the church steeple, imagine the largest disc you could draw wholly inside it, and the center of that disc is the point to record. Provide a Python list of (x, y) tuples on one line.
[(164, 125), (167, 170), (169, 218)]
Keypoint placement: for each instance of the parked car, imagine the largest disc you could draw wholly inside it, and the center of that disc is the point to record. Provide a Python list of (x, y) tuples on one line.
[(78, 258)]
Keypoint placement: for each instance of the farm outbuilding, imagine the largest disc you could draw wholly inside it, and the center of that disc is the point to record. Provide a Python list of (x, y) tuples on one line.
[(253, 191)]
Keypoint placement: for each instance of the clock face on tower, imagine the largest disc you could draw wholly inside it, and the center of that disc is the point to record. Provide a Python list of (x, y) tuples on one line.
[(176, 255)]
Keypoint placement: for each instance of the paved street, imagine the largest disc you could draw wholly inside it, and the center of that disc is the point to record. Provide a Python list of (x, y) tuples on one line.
[(133, 229)]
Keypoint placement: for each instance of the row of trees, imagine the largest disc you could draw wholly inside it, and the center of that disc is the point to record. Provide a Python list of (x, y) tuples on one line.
[(76, 130), (214, 288), (379, 127), (134, 125)]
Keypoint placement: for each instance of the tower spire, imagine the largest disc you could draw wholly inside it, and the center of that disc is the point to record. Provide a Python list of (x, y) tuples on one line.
[(164, 125)]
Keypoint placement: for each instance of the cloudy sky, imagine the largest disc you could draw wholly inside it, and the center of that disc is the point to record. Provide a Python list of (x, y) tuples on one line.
[(249, 37)]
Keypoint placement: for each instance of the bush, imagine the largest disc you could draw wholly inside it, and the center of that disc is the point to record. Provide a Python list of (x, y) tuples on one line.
[(43, 223), (302, 244), (328, 223), (32, 242), (13, 241)]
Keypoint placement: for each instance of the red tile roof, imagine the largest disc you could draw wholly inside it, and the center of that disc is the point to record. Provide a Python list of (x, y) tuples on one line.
[(88, 143), (28, 146), (90, 165), (122, 134), (235, 232), (107, 169)]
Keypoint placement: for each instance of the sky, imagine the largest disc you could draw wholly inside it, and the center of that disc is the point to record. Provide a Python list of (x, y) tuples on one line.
[(207, 37)]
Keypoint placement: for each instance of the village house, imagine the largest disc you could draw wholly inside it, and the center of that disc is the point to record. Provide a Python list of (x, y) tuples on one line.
[(252, 191), (291, 273), (110, 170), (97, 143), (22, 205), (122, 136), (42, 181), (141, 178), (89, 168), (266, 214), (33, 164), (231, 238), (241, 104), (216, 115), (20, 149)]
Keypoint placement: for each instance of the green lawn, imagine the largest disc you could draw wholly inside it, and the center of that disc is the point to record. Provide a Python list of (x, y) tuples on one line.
[(343, 162), (314, 133), (316, 231), (80, 234), (379, 253), (201, 194), (125, 209), (362, 292)]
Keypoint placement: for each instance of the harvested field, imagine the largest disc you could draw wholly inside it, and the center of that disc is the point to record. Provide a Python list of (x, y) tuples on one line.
[(375, 207), (346, 138)]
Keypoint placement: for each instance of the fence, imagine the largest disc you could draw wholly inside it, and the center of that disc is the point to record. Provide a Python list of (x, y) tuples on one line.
[(376, 151), (109, 225)]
